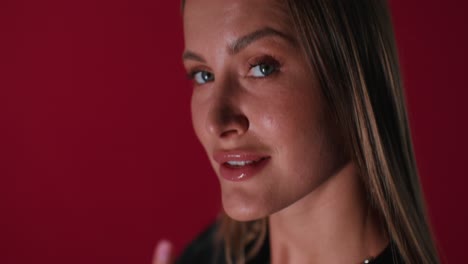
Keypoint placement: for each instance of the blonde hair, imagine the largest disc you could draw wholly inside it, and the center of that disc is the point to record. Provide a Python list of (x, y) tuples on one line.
[(350, 45)]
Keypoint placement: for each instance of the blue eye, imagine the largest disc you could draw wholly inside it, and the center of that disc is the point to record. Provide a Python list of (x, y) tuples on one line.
[(263, 69), (203, 77)]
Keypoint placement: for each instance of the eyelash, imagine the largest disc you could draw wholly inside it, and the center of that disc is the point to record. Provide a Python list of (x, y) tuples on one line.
[(191, 73), (265, 59)]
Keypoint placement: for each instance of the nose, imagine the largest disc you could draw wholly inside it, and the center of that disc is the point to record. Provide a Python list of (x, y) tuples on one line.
[(225, 117)]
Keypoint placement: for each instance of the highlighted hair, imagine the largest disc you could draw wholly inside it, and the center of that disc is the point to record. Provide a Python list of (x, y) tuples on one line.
[(351, 48)]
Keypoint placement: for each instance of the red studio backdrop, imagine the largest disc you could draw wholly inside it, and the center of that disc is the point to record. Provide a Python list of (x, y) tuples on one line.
[(98, 159)]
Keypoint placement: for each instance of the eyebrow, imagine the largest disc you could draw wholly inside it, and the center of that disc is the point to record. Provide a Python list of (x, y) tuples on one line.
[(243, 42), (189, 55)]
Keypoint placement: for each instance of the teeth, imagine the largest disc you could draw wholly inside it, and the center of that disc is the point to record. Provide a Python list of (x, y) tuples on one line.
[(240, 163)]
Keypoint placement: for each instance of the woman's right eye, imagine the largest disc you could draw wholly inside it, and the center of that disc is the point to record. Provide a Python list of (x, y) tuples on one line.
[(202, 77)]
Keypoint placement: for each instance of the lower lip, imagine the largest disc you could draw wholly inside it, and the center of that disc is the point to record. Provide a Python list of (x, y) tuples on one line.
[(242, 173)]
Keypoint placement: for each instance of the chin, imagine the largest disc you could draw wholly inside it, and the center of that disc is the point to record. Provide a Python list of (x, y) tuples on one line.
[(243, 211), (243, 215)]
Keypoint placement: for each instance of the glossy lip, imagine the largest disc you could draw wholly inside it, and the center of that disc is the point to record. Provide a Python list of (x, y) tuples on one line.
[(232, 173)]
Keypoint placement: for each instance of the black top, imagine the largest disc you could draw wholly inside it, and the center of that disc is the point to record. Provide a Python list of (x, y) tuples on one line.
[(202, 250)]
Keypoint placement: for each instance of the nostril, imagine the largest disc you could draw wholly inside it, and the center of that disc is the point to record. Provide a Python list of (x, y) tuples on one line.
[(225, 117), (234, 126)]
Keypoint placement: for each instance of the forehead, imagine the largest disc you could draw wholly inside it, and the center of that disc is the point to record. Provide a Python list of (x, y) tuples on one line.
[(232, 18)]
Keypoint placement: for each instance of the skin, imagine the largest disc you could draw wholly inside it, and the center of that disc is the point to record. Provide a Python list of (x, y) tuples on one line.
[(310, 188)]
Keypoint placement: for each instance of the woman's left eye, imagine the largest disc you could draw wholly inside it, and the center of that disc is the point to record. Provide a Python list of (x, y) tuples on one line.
[(262, 70)]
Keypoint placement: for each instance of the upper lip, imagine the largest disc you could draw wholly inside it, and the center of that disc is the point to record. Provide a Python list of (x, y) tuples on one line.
[(237, 155)]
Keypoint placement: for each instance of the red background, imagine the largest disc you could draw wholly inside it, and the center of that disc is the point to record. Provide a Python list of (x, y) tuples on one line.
[(98, 159)]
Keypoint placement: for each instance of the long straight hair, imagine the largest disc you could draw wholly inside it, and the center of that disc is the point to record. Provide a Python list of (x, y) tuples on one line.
[(350, 45)]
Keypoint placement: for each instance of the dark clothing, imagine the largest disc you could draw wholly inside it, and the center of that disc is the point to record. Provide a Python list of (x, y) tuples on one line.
[(203, 250)]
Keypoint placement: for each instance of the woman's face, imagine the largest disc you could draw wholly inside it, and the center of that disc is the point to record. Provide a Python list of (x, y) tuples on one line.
[(256, 106)]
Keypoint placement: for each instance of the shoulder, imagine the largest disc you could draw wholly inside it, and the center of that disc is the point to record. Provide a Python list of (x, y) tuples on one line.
[(206, 248), (389, 255), (203, 249)]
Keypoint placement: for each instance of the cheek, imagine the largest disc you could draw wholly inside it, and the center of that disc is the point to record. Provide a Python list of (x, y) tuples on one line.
[(294, 126), (311, 154), (266, 124), (289, 120), (198, 120)]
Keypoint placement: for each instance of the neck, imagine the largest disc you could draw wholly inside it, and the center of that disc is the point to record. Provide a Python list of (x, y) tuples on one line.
[(332, 224)]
